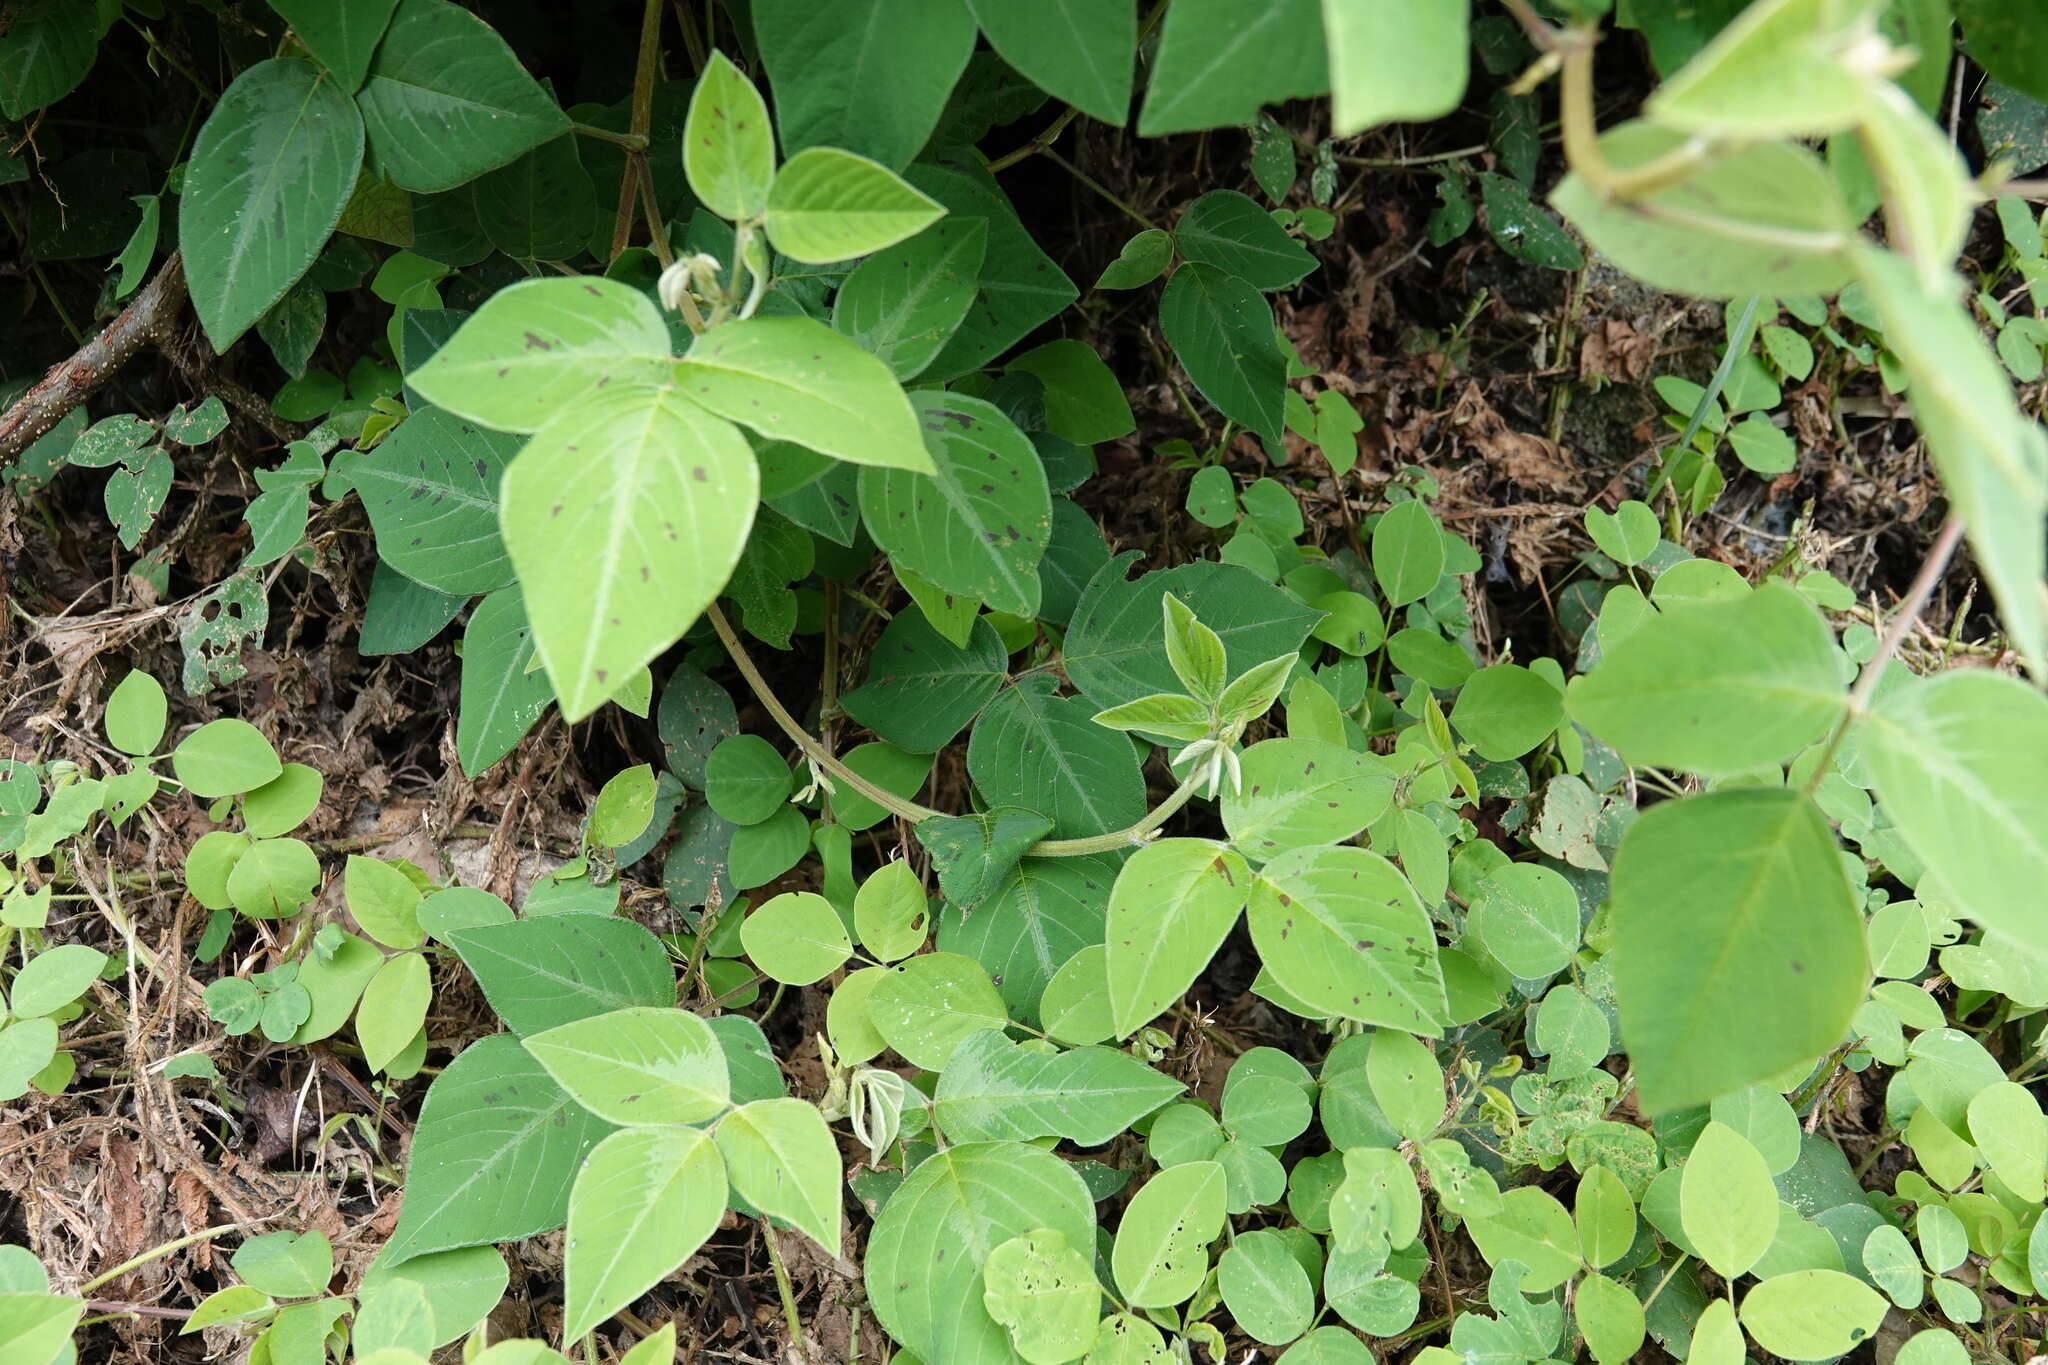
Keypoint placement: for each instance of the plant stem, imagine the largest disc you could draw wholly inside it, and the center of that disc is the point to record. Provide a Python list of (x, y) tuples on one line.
[(203, 1235), (1140, 219), (632, 142), (1036, 145), (783, 1288), (911, 811)]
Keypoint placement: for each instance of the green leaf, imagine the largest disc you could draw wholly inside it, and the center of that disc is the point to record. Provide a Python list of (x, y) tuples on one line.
[(1406, 1082), (270, 171), (1116, 646), (1221, 329), (1043, 913), (1342, 931), (619, 559), (977, 523), (1727, 1201), (431, 490), (342, 35), (623, 809), (728, 145), (284, 803), (872, 79), (1299, 792), (1021, 287), (393, 1009), (1770, 964), (1394, 64), (924, 1007), (540, 973), (1993, 460), (335, 981), (1142, 260), (1407, 553), (1766, 218), (493, 1157), (1230, 231), (890, 912), (973, 854), (1079, 51), (926, 1251), (1505, 711), (831, 205), (643, 1202), (904, 303), (1534, 1229), (539, 348), (1161, 1253), (501, 695), (2001, 39), (274, 879), (47, 50), (1605, 1216), (993, 1090), (539, 206), (446, 100), (637, 1067), (795, 379), (2007, 1127), (1610, 1317), (745, 780), (403, 615), (796, 938), (1035, 749), (286, 1265), (782, 1159), (1044, 1293), (1811, 1314), (1628, 535), (1734, 86), (1522, 229), (1084, 401), (1218, 63), (1956, 764), (1171, 906), (1265, 1288), (53, 978), (1718, 687), (922, 689), (136, 713)]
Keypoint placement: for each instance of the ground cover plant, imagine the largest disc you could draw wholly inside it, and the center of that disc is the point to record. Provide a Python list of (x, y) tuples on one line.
[(967, 681)]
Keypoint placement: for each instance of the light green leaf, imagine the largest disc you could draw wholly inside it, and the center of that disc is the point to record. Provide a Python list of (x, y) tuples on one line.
[(384, 901), (728, 145), (53, 978), (2007, 1127), (904, 303), (35, 1329), (1605, 1216), (1221, 328), (1527, 917), (446, 100), (1505, 711), (497, 1145), (393, 1009), (1993, 459), (623, 808), (1766, 218), (1735, 87), (782, 1159), (1299, 792), (1407, 553), (1610, 1317), (1171, 906), (795, 379), (977, 521), (1533, 1228), (136, 712), (1406, 1082), (1161, 1253), (1393, 62), (539, 347), (1044, 1294), (927, 1248), (272, 167), (284, 803), (1265, 1288), (1727, 1201), (796, 938), (1812, 1314), (644, 1202), (1770, 964), (224, 758), (992, 1089), (274, 878), (924, 1007), (636, 1067), (1718, 687), (286, 1265), (1342, 931), (891, 913), (831, 205), (618, 559)]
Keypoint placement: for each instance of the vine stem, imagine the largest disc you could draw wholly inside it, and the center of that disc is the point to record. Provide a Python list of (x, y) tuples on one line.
[(1910, 607), (203, 1235), (911, 811)]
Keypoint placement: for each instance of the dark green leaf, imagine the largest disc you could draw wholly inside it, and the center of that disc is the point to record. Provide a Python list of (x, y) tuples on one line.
[(1221, 329)]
